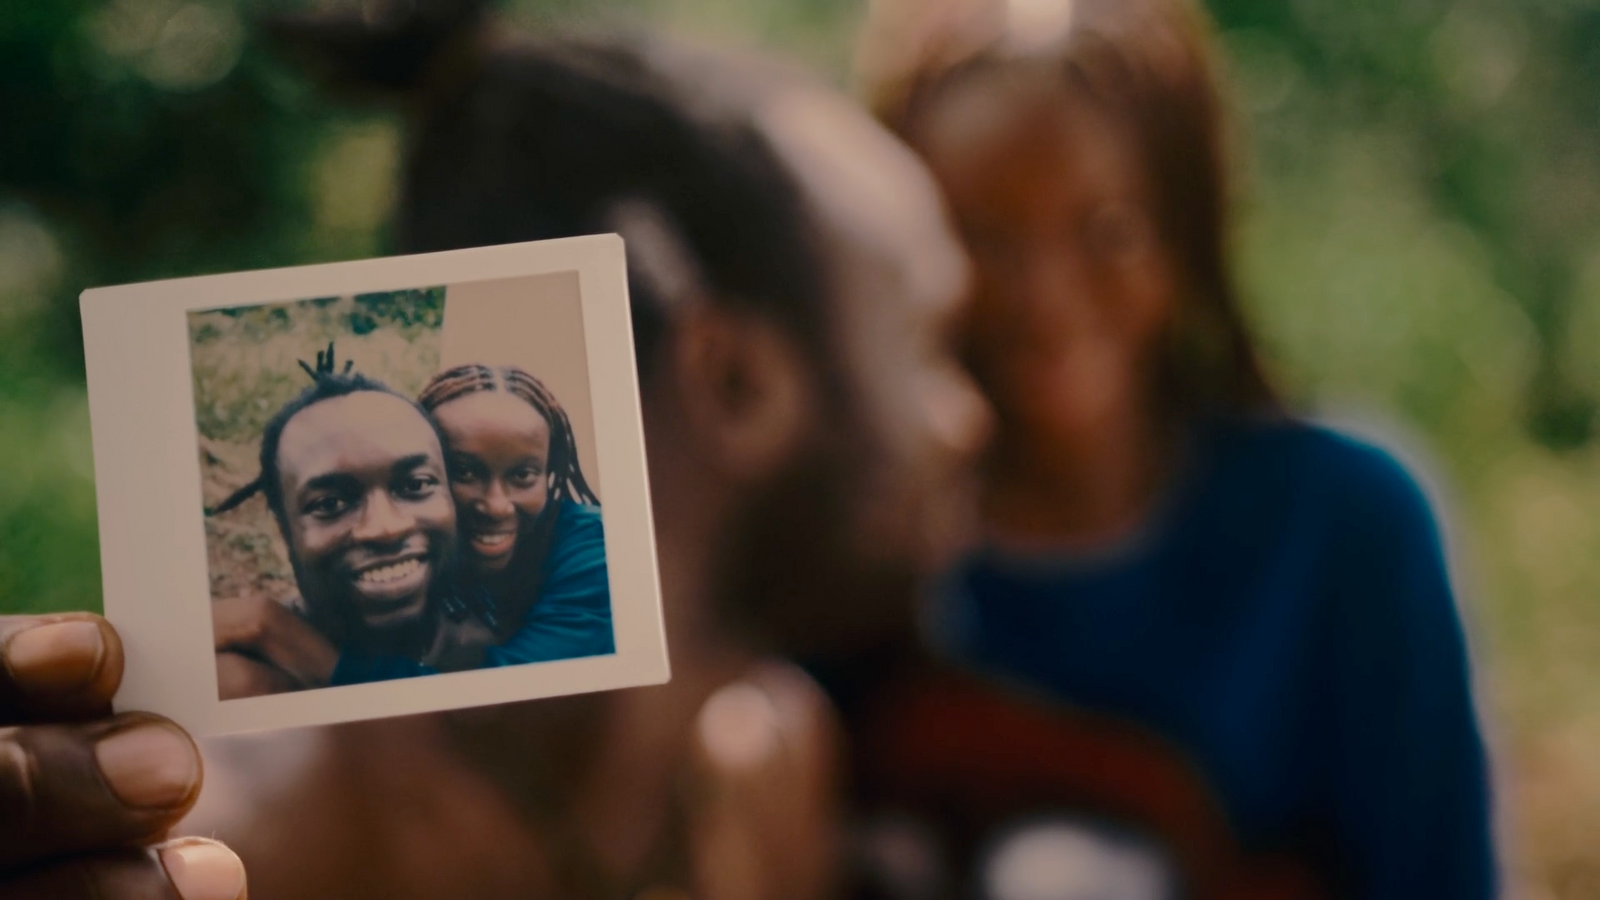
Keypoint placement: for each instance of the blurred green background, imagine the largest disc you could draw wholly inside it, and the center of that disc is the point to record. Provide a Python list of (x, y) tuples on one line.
[(1420, 244)]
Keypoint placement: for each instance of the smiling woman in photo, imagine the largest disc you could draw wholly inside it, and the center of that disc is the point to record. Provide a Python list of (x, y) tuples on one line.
[(533, 547), (532, 584)]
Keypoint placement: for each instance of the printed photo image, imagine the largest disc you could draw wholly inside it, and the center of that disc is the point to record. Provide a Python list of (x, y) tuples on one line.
[(397, 484)]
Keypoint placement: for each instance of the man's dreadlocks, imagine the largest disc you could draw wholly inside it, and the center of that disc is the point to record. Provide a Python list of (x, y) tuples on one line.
[(473, 378), (326, 384)]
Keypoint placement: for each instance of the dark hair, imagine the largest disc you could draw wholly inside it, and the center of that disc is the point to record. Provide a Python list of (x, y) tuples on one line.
[(534, 139), (474, 378), (326, 384), (1148, 64)]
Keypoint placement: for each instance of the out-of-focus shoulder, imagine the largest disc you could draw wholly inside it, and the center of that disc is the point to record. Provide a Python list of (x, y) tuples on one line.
[(1381, 554), (1368, 480), (1352, 474)]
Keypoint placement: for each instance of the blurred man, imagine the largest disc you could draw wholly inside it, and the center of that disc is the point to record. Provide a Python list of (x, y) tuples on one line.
[(793, 282)]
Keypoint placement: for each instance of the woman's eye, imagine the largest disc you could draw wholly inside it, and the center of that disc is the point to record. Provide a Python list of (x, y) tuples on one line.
[(526, 477), (462, 474)]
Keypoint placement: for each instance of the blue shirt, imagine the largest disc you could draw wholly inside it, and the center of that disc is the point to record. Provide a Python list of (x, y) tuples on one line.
[(1288, 622), (571, 618)]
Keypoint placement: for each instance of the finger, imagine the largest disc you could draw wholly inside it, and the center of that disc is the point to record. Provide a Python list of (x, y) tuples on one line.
[(73, 788), (185, 869), (58, 667)]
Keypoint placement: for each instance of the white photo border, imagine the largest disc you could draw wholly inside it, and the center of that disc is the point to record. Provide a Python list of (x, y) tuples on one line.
[(147, 478)]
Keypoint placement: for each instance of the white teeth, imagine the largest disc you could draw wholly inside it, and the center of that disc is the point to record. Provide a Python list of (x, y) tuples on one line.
[(386, 574), (493, 541)]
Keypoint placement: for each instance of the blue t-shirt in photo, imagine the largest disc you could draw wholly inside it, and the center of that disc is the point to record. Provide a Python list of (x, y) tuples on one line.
[(1288, 622), (571, 618)]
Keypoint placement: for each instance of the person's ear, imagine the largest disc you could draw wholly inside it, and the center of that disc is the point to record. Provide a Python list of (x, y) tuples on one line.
[(745, 390)]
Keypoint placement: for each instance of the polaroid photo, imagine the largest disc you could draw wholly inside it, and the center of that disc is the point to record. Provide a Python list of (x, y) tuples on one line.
[(374, 488)]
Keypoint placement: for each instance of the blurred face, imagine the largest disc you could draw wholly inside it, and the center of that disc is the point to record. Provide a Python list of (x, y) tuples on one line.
[(369, 517), (499, 472), (899, 291), (1074, 288)]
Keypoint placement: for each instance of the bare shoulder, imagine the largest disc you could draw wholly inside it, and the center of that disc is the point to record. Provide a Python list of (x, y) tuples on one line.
[(772, 715), (764, 764)]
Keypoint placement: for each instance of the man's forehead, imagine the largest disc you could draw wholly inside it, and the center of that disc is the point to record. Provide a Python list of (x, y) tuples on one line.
[(367, 428)]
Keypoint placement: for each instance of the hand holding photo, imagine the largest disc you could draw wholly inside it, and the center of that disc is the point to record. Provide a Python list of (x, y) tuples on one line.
[(394, 481)]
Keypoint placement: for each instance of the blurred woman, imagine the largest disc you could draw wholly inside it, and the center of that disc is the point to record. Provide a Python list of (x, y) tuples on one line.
[(1164, 543), (533, 546)]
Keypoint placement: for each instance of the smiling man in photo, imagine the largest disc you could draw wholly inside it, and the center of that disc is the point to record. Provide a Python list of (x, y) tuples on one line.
[(354, 474), (367, 515)]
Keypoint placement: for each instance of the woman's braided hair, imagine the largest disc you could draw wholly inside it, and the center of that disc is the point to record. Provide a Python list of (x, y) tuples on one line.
[(326, 384), (472, 378)]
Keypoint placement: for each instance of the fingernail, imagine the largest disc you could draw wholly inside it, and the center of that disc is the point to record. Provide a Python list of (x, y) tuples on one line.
[(149, 765), (203, 870), (55, 658)]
